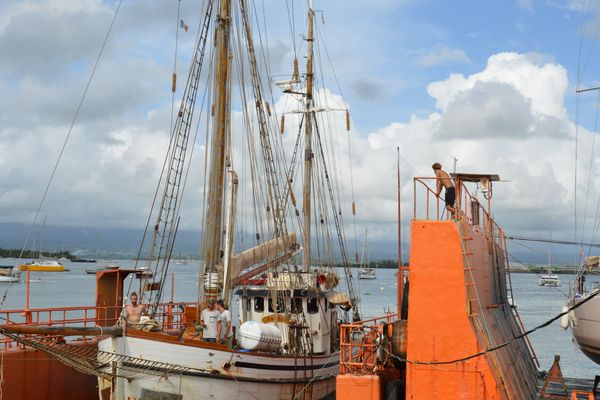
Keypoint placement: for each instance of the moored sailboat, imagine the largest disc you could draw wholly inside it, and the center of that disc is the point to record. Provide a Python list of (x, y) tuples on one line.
[(549, 279), (366, 272), (289, 310), (43, 266), (289, 319)]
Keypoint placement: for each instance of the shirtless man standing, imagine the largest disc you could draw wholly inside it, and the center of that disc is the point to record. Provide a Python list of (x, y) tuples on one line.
[(442, 179), (134, 310)]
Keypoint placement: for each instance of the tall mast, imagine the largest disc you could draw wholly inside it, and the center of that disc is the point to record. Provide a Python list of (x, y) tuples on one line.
[(213, 230), (308, 153)]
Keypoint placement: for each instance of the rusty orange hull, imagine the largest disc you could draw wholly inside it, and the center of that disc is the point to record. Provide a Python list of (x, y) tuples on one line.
[(32, 374)]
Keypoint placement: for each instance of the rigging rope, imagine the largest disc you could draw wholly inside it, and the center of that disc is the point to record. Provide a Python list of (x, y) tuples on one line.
[(591, 163), (530, 239)]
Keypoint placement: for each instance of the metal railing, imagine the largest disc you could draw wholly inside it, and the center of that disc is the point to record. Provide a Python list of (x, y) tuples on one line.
[(468, 208), (170, 316), (359, 344)]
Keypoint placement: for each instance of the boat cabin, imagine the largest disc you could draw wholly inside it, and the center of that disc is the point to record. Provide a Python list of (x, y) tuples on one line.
[(297, 304)]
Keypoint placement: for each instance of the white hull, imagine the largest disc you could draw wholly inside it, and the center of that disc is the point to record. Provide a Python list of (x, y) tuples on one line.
[(219, 373), (10, 279), (549, 280), (10, 275), (366, 273), (585, 324)]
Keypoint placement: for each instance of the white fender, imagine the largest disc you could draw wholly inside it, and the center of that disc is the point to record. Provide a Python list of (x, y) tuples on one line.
[(564, 320)]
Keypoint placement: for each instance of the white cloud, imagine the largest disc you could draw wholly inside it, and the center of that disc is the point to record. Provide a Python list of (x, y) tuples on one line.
[(443, 56), (521, 71)]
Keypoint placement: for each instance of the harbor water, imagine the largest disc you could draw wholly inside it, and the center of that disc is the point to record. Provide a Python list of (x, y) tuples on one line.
[(536, 304)]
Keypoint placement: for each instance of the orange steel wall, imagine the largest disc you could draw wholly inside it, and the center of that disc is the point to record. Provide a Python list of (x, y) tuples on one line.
[(358, 387), (32, 374), (438, 325)]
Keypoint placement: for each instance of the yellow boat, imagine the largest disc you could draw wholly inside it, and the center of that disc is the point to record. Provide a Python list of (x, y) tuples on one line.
[(43, 266)]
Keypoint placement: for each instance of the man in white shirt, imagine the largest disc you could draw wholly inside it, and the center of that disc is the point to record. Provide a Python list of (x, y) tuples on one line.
[(211, 322), (225, 331)]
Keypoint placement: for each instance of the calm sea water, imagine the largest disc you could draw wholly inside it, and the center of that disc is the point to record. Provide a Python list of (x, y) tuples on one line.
[(536, 304)]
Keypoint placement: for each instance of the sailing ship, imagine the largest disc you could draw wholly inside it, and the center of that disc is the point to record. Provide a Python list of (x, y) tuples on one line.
[(289, 318), (288, 288), (549, 279), (365, 271), (42, 264)]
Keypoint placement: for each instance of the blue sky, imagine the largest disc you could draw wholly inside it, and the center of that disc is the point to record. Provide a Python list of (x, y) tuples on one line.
[(469, 32)]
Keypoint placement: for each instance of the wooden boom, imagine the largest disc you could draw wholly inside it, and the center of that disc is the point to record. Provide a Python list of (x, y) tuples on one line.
[(63, 330)]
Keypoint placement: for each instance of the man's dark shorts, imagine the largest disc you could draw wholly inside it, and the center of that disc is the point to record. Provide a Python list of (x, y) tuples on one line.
[(450, 197)]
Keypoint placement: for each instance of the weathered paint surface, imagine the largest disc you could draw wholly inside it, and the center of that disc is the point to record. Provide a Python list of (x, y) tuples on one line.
[(455, 310), (33, 374)]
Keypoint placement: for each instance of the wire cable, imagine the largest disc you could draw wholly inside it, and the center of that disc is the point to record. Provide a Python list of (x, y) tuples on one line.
[(500, 346)]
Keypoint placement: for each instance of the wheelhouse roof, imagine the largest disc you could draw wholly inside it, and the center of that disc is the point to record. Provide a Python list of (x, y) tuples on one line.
[(474, 177)]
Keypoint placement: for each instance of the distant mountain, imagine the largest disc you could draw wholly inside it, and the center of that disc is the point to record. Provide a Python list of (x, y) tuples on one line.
[(124, 243), (90, 242)]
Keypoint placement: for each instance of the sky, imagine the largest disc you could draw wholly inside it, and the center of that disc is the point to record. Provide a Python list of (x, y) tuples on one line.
[(490, 83)]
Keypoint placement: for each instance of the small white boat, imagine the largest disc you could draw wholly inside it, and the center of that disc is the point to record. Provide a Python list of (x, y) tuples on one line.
[(9, 275), (549, 280), (367, 273)]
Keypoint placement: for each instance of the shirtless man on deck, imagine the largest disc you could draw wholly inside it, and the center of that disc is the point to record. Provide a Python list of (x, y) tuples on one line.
[(442, 179), (134, 310)]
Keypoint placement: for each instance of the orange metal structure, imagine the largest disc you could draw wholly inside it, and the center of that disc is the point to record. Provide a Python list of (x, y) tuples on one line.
[(363, 387), (32, 374), (458, 307)]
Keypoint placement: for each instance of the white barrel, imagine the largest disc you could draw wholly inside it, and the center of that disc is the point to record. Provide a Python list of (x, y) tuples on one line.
[(211, 280), (257, 336), (564, 320)]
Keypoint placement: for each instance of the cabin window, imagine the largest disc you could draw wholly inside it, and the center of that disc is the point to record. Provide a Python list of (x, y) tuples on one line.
[(312, 305), (247, 304), (326, 306), (297, 305), (278, 307), (259, 304)]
